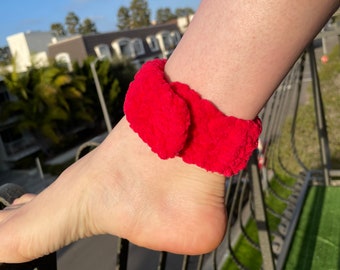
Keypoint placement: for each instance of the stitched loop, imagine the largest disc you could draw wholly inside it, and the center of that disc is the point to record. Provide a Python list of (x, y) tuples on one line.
[(159, 116)]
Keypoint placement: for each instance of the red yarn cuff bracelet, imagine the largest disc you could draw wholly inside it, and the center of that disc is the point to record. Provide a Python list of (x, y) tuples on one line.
[(175, 121)]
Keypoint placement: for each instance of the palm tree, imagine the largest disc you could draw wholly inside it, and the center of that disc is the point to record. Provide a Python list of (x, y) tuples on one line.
[(47, 100), (114, 78)]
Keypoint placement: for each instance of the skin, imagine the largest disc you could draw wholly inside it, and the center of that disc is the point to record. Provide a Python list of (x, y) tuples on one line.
[(124, 189)]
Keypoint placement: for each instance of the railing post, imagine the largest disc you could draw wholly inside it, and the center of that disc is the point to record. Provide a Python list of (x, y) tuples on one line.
[(122, 254), (320, 117), (101, 96), (260, 214)]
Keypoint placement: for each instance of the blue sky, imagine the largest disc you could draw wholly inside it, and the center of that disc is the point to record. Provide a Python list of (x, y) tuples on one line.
[(37, 15)]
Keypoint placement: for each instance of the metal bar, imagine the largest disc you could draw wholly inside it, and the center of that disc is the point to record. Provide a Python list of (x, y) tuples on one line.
[(294, 221), (260, 214), (122, 254), (100, 96), (320, 117), (162, 260), (48, 262), (39, 168), (325, 34), (200, 262), (185, 262), (230, 211), (296, 109), (239, 218)]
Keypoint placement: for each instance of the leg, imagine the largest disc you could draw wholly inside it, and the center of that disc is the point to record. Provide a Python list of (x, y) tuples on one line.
[(123, 188)]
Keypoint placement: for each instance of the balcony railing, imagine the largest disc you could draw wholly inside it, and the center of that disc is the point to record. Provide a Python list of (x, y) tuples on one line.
[(265, 200)]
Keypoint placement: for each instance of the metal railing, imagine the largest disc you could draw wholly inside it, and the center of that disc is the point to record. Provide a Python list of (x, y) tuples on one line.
[(257, 224), (248, 194)]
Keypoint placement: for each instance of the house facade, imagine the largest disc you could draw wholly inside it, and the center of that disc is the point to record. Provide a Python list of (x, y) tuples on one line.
[(138, 45), (29, 49)]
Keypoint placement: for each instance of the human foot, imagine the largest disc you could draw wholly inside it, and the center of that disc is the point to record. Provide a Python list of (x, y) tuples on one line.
[(124, 189)]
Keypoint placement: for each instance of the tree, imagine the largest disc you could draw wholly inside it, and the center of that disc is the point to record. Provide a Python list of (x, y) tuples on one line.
[(124, 18), (49, 102), (184, 12), (164, 15), (87, 27), (58, 29), (140, 13), (73, 26), (72, 23), (115, 77)]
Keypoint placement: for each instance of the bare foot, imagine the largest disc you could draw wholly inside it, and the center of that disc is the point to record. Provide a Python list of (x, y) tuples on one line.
[(124, 189)]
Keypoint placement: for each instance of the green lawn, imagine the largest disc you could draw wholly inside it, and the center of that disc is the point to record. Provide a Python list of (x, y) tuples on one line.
[(317, 238)]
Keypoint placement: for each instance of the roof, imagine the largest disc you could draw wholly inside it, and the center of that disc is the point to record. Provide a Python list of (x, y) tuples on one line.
[(80, 46)]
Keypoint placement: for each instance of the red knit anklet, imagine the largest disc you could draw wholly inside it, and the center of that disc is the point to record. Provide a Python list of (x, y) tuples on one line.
[(175, 121)]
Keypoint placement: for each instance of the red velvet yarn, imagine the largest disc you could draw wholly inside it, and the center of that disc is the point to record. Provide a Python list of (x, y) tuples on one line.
[(159, 116), (175, 121)]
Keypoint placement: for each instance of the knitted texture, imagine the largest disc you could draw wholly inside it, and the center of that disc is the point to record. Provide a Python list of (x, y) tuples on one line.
[(175, 121), (155, 112)]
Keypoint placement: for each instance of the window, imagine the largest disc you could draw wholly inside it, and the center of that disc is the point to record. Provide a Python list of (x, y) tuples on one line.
[(153, 43), (123, 48), (165, 40), (138, 46), (176, 37), (103, 51), (64, 59)]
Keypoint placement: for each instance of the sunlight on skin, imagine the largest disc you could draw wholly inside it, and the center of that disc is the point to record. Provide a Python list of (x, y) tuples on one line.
[(108, 192), (124, 189)]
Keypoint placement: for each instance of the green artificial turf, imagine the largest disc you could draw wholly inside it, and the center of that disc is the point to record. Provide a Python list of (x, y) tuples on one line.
[(317, 238), (245, 253)]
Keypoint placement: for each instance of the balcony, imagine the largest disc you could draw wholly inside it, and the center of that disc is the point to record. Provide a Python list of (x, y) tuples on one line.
[(280, 216)]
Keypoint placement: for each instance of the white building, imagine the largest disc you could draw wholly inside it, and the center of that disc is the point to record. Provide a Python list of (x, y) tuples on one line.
[(29, 49)]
